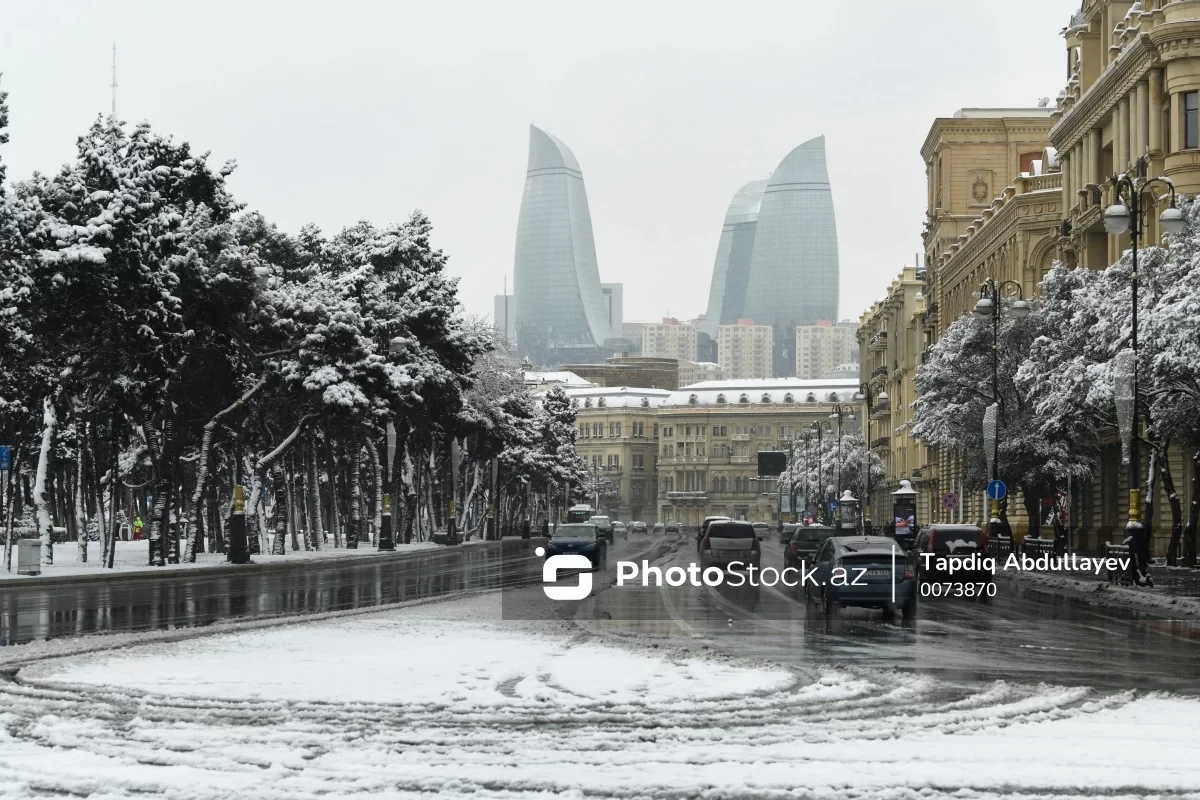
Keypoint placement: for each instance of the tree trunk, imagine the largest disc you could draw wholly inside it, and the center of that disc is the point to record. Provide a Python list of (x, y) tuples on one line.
[(335, 521), (1032, 500), (279, 544), (10, 501), (377, 522), (354, 533), (1189, 540), (41, 498), (1168, 484), (313, 493), (81, 533)]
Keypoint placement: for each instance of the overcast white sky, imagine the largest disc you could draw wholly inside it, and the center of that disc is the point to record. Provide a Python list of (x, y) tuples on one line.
[(355, 110)]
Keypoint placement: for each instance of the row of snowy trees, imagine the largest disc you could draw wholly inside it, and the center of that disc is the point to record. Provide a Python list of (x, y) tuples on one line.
[(1056, 371), (819, 466), (156, 340)]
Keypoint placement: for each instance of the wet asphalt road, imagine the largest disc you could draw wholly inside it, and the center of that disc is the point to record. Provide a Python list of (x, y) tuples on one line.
[(1024, 634)]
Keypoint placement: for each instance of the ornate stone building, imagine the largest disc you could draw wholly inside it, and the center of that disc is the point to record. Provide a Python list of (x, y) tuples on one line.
[(891, 341), (710, 435)]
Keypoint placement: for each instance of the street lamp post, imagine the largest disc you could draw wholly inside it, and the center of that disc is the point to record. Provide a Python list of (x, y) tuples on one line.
[(821, 429), (805, 474), (867, 395), (989, 306), (841, 412), (1134, 195)]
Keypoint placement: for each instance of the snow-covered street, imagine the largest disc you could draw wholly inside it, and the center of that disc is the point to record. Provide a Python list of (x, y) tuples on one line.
[(445, 699)]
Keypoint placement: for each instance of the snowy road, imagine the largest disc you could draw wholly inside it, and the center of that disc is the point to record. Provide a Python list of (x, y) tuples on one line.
[(445, 700), (632, 693)]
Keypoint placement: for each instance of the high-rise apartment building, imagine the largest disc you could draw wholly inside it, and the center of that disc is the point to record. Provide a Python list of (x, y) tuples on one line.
[(745, 349), (670, 339), (823, 347), (561, 312)]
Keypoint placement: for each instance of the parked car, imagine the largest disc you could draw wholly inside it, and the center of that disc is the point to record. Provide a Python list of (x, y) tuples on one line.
[(951, 540), (604, 526), (760, 530), (672, 527), (871, 568), (638, 527), (619, 529), (579, 537), (786, 531), (727, 543), (659, 529), (805, 541)]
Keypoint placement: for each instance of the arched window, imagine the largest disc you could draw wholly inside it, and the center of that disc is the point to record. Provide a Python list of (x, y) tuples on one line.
[(766, 398), (724, 485), (744, 398), (789, 398), (716, 485), (721, 399), (693, 400)]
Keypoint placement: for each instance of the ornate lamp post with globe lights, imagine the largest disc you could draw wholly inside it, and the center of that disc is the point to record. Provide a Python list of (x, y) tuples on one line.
[(989, 306), (1134, 196), (841, 411), (866, 395)]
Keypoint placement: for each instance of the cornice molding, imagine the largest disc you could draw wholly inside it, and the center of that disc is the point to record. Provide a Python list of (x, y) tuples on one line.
[(1007, 221), (1130, 67)]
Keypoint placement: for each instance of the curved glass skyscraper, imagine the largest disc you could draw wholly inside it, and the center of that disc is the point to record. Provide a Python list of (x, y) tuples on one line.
[(793, 276), (560, 311), (727, 294)]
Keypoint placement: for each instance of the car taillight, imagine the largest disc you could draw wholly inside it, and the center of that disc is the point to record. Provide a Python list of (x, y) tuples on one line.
[(908, 572), (754, 543), (983, 541), (932, 536), (707, 545), (795, 547)]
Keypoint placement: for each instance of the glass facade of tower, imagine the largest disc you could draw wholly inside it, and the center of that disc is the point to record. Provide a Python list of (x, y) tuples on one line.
[(560, 313), (793, 277), (727, 294)]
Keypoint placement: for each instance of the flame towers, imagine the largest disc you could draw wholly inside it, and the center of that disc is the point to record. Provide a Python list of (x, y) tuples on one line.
[(792, 274), (560, 312)]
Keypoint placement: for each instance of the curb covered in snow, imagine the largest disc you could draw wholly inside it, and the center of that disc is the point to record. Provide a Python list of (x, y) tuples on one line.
[(1107, 594)]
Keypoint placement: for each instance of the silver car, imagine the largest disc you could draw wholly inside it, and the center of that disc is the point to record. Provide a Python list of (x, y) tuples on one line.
[(729, 544)]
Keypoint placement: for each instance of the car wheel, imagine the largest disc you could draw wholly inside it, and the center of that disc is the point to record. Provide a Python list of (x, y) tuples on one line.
[(889, 612)]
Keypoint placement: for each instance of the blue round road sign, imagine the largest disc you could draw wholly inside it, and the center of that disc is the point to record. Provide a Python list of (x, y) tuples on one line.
[(996, 490), (833, 505)]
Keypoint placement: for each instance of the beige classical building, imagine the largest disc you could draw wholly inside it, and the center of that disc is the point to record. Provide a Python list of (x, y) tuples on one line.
[(1131, 104), (618, 438), (1132, 92), (745, 349), (710, 435), (670, 339), (891, 341), (823, 347), (653, 373)]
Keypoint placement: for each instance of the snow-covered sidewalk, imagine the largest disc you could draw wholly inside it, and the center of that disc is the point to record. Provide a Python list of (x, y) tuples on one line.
[(132, 556), (1174, 590), (445, 699)]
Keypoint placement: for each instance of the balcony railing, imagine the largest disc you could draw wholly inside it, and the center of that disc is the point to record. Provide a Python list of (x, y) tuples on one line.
[(740, 437), (740, 459), (879, 341), (930, 315), (882, 441), (879, 372)]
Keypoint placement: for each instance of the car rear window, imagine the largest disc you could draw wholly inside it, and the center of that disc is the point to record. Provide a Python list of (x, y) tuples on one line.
[(811, 535), (725, 530), (957, 542)]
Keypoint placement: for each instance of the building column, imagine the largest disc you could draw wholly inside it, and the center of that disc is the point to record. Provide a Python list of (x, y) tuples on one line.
[(1121, 144), (1093, 137), (1154, 130), (1142, 119)]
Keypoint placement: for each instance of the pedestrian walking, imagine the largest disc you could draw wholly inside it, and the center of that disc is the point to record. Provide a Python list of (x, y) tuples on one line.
[(137, 528)]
